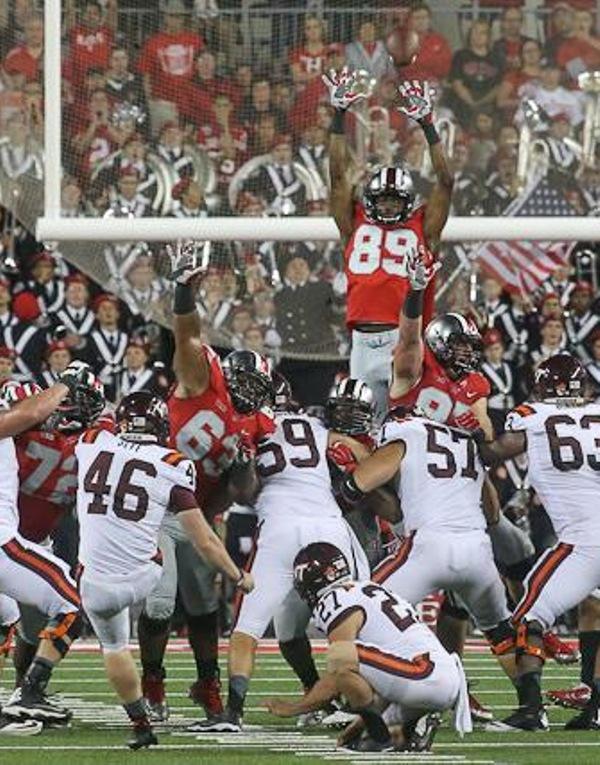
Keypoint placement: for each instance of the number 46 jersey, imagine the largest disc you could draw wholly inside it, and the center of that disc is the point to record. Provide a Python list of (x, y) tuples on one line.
[(294, 470), (563, 449), (441, 475), (124, 489)]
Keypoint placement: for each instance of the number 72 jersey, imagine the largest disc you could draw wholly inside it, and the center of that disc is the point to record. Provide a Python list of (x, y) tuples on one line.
[(294, 470), (563, 450)]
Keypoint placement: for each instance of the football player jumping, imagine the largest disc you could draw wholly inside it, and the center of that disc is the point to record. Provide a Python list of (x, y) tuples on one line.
[(214, 409), (382, 230)]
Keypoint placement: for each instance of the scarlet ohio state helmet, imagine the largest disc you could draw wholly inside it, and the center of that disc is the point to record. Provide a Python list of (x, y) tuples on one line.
[(145, 415), (317, 567), (248, 377), (349, 407), (455, 342), (389, 181), (558, 378)]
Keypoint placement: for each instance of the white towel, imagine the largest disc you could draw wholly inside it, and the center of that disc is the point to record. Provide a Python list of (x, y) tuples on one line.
[(462, 710)]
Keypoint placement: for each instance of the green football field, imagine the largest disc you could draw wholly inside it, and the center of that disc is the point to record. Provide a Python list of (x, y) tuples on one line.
[(99, 729)]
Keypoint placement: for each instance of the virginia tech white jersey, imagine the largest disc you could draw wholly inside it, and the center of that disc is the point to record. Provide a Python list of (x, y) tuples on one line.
[(441, 475), (124, 490), (390, 623), (9, 489), (563, 449), (293, 468)]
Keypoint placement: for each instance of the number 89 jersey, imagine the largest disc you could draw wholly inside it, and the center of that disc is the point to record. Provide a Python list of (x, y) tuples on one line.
[(294, 471), (375, 266), (563, 450)]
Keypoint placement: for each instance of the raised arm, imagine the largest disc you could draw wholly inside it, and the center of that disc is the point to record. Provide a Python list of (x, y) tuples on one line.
[(189, 361), (38, 408), (419, 107), (342, 95)]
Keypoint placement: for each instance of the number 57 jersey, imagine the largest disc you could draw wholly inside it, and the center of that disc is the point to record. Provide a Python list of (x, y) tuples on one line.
[(294, 470), (124, 489), (563, 450), (441, 475)]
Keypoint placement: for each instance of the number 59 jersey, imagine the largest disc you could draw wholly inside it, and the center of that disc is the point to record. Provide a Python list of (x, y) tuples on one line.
[(294, 470), (124, 489), (375, 267), (563, 450), (441, 475)]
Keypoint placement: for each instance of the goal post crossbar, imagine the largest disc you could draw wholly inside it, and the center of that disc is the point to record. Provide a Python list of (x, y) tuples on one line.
[(52, 227), (300, 229)]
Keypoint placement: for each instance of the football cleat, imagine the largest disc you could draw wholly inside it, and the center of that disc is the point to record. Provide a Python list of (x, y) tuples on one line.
[(227, 722), (143, 737), (31, 705), (589, 719), (570, 698), (420, 735), (311, 719), (337, 716), (479, 713), (559, 650), (13, 727), (207, 693), (153, 688), (367, 744), (523, 718)]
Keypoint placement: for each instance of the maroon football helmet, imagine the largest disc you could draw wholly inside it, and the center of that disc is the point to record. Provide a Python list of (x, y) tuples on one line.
[(559, 377), (316, 567), (142, 414)]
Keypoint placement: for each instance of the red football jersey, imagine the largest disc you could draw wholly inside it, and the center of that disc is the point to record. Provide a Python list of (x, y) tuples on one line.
[(374, 262), (206, 428), (441, 398), (47, 478)]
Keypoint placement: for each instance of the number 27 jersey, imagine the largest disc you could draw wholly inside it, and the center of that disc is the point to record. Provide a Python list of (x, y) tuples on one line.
[(375, 267), (563, 450)]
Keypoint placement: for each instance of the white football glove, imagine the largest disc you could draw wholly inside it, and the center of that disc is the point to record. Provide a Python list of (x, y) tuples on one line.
[(188, 260), (346, 87), (418, 100), (77, 375), (421, 268)]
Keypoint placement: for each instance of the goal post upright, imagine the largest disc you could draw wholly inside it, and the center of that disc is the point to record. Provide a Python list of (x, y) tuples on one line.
[(52, 109)]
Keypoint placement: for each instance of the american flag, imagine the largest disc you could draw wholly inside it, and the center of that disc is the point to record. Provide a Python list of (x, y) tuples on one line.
[(523, 266)]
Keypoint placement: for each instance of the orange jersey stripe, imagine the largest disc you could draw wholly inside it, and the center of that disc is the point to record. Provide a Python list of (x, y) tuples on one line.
[(44, 568), (91, 435), (173, 458), (393, 562), (539, 578), (414, 669)]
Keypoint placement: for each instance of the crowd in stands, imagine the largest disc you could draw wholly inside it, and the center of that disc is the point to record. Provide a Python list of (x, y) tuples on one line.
[(171, 117)]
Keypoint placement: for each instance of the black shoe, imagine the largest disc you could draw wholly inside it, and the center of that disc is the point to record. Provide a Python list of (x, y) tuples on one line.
[(228, 722), (35, 705), (588, 719), (367, 744), (523, 718), (142, 738), (422, 733), (10, 726)]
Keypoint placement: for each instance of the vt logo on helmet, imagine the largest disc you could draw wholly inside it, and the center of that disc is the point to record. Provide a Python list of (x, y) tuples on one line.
[(559, 379), (143, 416), (317, 567)]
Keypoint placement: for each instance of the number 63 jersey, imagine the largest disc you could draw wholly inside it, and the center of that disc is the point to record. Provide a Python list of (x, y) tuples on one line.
[(563, 450), (124, 489), (294, 470)]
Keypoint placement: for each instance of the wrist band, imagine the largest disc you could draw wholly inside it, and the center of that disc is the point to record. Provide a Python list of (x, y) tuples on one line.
[(413, 305), (431, 134), (337, 122), (184, 301)]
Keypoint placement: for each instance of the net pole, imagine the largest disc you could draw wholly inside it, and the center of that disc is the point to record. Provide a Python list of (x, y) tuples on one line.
[(52, 101), (463, 229)]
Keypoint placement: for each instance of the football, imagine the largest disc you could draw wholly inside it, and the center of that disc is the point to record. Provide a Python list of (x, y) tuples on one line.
[(403, 45)]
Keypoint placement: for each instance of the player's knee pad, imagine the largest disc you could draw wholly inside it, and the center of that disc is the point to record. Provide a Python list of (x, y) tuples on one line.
[(530, 640), (502, 638), (62, 630), (159, 609), (452, 609)]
